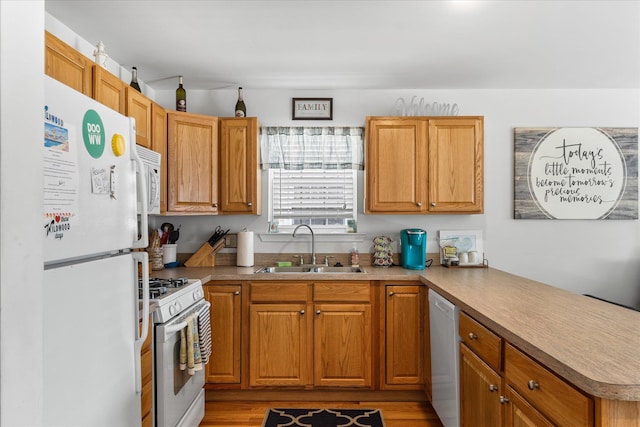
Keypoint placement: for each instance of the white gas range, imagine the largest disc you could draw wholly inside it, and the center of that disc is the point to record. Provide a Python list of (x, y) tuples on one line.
[(173, 296), (179, 395)]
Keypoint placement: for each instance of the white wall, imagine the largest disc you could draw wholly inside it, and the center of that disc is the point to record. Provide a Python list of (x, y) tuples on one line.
[(584, 256), (598, 257), (21, 118)]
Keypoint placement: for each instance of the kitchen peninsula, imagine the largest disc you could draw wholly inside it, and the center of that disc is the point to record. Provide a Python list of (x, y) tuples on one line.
[(585, 343)]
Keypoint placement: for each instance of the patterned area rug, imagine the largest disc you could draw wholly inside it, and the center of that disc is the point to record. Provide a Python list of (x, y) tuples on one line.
[(277, 417)]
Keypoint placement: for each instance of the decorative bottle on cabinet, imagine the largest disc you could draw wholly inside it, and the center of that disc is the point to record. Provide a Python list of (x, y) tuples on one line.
[(134, 79), (241, 109), (181, 96)]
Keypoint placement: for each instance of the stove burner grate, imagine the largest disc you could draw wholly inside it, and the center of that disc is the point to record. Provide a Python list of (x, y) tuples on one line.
[(159, 287)]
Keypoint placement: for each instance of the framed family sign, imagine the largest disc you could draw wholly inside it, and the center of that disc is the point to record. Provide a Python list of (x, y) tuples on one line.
[(576, 173), (312, 109)]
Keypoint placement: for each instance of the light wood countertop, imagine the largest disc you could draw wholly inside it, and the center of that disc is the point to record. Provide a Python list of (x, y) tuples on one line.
[(592, 344)]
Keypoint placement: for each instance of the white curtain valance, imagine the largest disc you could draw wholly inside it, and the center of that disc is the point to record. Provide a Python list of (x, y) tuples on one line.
[(312, 147)]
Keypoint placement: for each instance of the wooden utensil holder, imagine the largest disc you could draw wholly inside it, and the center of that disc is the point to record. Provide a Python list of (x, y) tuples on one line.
[(205, 256)]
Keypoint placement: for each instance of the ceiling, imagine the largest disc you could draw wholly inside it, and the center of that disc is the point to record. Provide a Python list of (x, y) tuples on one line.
[(358, 44)]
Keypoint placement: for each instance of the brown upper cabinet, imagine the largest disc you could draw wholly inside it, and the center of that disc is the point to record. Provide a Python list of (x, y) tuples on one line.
[(420, 165), (192, 159), (67, 65), (109, 90), (240, 178), (139, 107), (159, 145)]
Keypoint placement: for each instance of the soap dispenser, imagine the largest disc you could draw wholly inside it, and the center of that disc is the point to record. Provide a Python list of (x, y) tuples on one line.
[(355, 258)]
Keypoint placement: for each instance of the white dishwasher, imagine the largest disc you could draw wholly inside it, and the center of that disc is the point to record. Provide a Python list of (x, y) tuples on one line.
[(445, 359)]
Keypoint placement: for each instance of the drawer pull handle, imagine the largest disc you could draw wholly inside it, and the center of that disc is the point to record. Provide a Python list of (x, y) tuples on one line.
[(533, 385), (472, 336), (504, 400), (493, 387)]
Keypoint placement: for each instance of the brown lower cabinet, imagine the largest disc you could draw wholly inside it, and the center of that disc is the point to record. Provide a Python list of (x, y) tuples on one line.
[(405, 320), (315, 335), (146, 365), (279, 344), (520, 413), (225, 314), (501, 386), (342, 345), (480, 391), (555, 399), (310, 334)]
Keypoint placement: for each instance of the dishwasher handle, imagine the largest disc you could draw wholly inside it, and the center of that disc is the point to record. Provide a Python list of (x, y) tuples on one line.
[(441, 303)]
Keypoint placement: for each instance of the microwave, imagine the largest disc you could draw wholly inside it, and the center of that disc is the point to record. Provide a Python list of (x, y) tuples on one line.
[(151, 161)]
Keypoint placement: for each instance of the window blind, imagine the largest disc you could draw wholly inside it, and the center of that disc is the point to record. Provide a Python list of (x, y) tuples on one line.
[(326, 194)]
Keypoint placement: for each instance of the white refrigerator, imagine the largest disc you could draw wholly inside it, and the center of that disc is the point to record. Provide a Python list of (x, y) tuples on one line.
[(93, 217)]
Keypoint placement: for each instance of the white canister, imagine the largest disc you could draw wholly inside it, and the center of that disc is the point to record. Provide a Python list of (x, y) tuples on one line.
[(169, 252), (245, 249), (474, 258), (464, 258)]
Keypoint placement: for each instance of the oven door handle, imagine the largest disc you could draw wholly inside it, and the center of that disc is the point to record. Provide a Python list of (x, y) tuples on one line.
[(170, 329)]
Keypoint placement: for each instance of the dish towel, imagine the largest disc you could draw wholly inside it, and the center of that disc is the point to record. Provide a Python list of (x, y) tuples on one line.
[(183, 349), (204, 332), (190, 357)]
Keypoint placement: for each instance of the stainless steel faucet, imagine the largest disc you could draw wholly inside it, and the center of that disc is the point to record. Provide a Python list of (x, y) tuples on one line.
[(313, 241)]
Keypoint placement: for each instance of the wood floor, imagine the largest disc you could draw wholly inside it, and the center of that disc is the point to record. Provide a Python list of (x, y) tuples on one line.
[(234, 408)]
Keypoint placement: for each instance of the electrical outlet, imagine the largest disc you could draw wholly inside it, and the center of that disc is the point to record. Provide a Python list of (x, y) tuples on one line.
[(231, 241)]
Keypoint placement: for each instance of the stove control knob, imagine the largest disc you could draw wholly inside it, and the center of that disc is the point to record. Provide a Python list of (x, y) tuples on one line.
[(178, 306), (197, 294), (172, 310)]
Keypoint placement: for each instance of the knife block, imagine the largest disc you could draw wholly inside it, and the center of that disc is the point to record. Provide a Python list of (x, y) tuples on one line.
[(205, 256)]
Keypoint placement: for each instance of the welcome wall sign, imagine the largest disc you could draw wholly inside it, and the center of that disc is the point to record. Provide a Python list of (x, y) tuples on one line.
[(576, 173)]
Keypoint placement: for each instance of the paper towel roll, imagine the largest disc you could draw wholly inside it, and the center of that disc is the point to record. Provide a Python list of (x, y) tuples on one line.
[(245, 249)]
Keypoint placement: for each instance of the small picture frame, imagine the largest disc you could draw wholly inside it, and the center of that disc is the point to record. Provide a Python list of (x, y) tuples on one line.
[(312, 109)]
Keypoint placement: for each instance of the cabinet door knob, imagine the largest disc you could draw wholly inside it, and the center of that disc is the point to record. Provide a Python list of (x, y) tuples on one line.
[(215, 205), (391, 293), (419, 204), (472, 336), (532, 384), (317, 311), (236, 293), (504, 399), (301, 311), (249, 204), (433, 204), (493, 387)]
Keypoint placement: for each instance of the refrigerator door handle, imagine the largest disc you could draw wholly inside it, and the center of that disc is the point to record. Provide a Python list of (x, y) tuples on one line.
[(143, 201), (141, 258)]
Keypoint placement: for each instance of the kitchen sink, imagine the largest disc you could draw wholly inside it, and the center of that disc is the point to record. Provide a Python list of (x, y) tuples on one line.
[(316, 269)]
